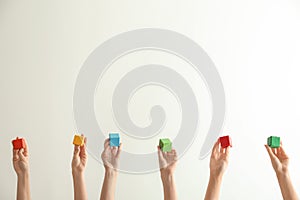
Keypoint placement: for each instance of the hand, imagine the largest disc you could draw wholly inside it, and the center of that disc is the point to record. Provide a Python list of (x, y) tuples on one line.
[(279, 159), (167, 160), (80, 157), (110, 156), (21, 160), (219, 160)]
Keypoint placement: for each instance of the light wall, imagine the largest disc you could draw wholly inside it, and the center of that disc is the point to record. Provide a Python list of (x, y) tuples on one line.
[(254, 44)]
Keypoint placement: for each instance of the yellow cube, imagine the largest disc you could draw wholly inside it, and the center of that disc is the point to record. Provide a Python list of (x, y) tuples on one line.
[(78, 140)]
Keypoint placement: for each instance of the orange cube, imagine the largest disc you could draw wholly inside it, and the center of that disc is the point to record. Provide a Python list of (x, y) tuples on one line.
[(78, 140)]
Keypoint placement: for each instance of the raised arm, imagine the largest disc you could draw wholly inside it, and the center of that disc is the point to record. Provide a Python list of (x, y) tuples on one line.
[(110, 157), (218, 164), (280, 162), (167, 164), (79, 162), (21, 167)]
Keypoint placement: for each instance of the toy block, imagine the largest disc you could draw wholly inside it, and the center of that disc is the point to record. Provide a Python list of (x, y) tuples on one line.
[(165, 145), (225, 141), (78, 140), (274, 141), (114, 139), (18, 143)]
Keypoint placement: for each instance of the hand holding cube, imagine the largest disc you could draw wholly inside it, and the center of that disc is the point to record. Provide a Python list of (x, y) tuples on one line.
[(279, 159), (110, 155), (220, 156), (20, 156), (80, 156)]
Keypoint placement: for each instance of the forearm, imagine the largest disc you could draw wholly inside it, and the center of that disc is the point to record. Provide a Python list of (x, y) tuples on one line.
[(286, 187), (168, 182), (23, 187), (80, 192), (213, 188), (109, 185)]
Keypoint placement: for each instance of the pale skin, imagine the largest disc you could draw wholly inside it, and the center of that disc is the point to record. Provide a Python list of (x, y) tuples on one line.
[(21, 167), (218, 164), (79, 162), (167, 164), (110, 157), (280, 163)]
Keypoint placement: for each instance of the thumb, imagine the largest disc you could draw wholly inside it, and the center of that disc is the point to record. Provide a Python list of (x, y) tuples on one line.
[(21, 154), (270, 152), (76, 150)]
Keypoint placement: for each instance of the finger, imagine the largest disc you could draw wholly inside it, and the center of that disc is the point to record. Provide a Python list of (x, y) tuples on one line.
[(106, 143), (173, 151), (83, 147), (15, 154), (216, 147), (227, 151), (222, 150), (119, 150), (76, 150), (282, 151), (274, 150), (21, 154), (175, 154), (26, 148), (270, 152), (85, 140), (114, 150), (159, 152)]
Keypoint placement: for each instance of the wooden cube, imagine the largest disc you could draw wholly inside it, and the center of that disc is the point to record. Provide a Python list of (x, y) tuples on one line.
[(19, 143), (114, 139), (273, 141), (225, 141), (165, 145), (78, 140)]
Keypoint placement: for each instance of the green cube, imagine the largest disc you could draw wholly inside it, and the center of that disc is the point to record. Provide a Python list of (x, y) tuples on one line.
[(165, 145), (274, 141)]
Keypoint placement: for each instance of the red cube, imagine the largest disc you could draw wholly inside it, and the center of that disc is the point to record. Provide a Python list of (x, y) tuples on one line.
[(225, 141), (18, 143)]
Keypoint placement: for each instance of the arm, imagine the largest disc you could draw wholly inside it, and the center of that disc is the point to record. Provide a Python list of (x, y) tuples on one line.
[(167, 164), (21, 167), (218, 164), (280, 162), (79, 162), (110, 157)]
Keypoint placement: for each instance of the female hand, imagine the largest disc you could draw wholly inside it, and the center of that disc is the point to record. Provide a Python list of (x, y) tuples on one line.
[(279, 159), (219, 160), (110, 156), (167, 160), (80, 157), (21, 160)]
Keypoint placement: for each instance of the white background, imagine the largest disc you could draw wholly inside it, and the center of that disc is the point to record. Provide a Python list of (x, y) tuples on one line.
[(254, 44)]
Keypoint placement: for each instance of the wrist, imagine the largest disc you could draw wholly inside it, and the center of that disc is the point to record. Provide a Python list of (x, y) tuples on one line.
[(281, 170), (166, 175), (110, 172), (216, 177), (282, 174), (23, 174), (76, 173)]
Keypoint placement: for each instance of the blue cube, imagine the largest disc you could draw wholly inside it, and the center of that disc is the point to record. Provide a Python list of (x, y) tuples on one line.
[(114, 139)]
